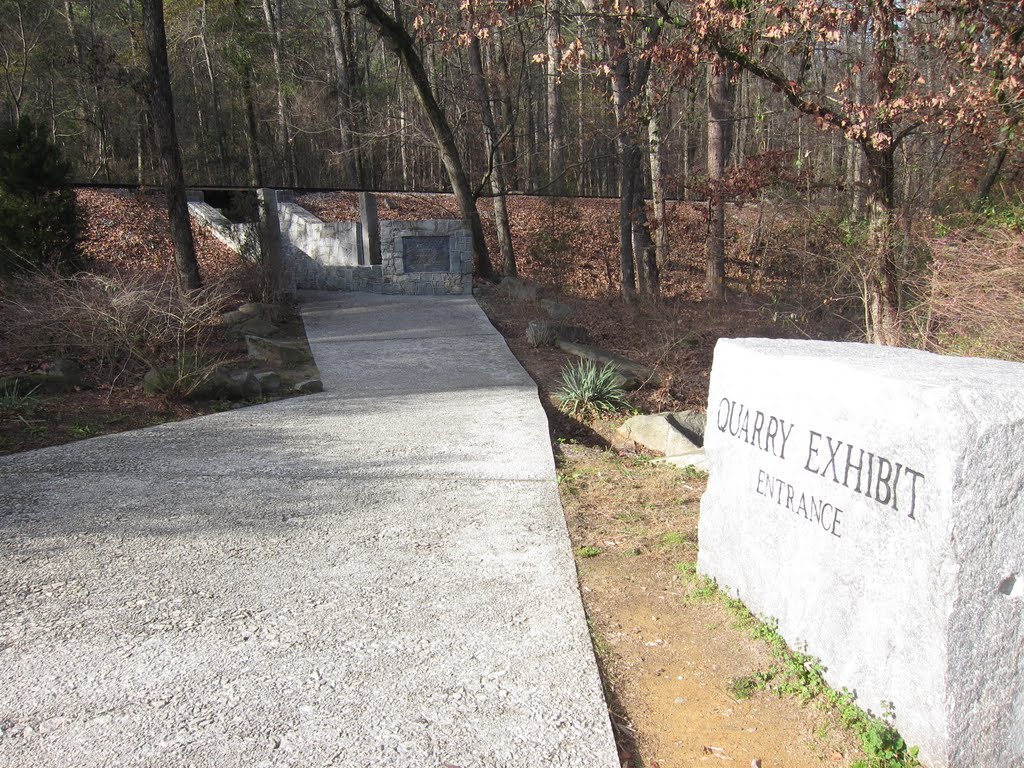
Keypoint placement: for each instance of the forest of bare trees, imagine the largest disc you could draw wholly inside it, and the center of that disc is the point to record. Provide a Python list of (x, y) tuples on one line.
[(888, 108)]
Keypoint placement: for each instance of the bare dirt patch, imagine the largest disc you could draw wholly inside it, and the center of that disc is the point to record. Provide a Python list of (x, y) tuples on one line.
[(670, 654)]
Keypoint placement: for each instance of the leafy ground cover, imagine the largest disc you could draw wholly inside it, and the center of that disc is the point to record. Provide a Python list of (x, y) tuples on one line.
[(125, 244)]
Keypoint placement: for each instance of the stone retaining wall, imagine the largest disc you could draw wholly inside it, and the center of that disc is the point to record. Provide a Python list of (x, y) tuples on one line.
[(401, 271), (430, 257), (241, 238), (330, 243)]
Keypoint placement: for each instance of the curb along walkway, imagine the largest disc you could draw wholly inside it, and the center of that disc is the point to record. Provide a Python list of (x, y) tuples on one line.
[(378, 575)]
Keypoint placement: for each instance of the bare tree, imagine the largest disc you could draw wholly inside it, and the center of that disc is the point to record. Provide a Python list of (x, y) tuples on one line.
[(272, 10), (628, 74), (162, 105), (395, 35), (556, 142), (496, 170), (344, 74), (719, 114)]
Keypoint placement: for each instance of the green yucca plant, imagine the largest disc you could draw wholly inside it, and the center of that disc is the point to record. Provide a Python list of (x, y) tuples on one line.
[(587, 388)]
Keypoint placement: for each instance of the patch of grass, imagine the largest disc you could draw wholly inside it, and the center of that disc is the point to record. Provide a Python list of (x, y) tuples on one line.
[(692, 473), (588, 551), (83, 430), (14, 400), (601, 647), (674, 539), (570, 481), (798, 674), (587, 389), (744, 686), (688, 569), (630, 517), (702, 589)]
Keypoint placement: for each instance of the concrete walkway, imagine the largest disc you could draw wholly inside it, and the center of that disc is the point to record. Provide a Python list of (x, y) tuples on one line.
[(378, 575)]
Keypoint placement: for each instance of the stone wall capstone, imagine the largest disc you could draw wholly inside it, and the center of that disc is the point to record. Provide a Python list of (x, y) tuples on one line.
[(872, 501)]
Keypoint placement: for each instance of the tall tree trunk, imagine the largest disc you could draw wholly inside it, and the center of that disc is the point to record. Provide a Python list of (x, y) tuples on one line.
[(556, 142), (645, 260), (628, 83), (408, 175), (718, 116), (252, 143), (531, 133), (497, 172), (509, 148), (883, 289), (142, 135), (399, 40), (657, 184), (584, 185), (343, 68), (996, 160), (271, 15), (250, 126), (882, 278), (92, 103), (218, 117), (625, 144), (170, 151)]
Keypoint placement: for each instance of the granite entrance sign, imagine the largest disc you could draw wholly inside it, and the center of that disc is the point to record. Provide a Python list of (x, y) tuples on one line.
[(872, 501)]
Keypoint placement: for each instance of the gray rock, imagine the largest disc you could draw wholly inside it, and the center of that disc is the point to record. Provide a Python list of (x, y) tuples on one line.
[(244, 385), (216, 386), (227, 385), (695, 461), (158, 380), (280, 354), (520, 289), (544, 334), (270, 312), (64, 375), (234, 317), (573, 333), (67, 369), (270, 382), (310, 386), (655, 432), (633, 375), (253, 326), (556, 310), (691, 424)]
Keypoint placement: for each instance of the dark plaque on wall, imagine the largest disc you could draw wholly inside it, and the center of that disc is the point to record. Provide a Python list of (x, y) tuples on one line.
[(426, 254)]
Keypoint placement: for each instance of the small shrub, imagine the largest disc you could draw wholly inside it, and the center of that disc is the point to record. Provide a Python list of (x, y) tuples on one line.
[(970, 302), (38, 217), (588, 551), (541, 334), (743, 687), (124, 324), (15, 400), (587, 388)]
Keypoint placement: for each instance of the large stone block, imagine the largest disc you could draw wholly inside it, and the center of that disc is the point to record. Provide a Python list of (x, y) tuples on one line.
[(869, 499)]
